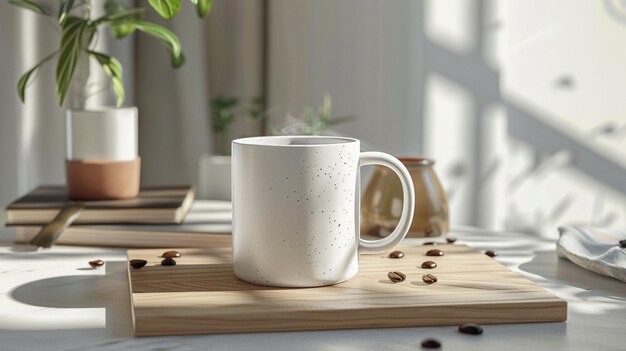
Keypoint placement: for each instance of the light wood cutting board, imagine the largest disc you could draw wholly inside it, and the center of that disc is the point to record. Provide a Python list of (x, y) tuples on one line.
[(200, 295)]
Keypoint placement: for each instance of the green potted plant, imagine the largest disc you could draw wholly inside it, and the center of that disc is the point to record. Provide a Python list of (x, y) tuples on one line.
[(231, 118), (102, 158), (227, 112)]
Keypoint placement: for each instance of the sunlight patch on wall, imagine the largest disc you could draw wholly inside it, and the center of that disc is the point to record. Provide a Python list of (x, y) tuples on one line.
[(449, 116), (451, 24), (563, 82), (547, 191), (492, 176)]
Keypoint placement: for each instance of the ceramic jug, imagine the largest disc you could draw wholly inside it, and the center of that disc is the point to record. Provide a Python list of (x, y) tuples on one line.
[(382, 201)]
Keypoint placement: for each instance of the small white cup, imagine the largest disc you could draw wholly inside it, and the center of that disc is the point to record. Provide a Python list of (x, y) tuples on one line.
[(296, 209)]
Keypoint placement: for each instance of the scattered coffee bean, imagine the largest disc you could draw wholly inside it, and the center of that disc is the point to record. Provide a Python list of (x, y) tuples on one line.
[(429, 278), (431, 343), (434, 252), (138, 263), (168, 261), (491, 253), (429, 265), (471, 328), (622, 244), (396, 276), (396, 254), (96, 263), (431, 243), (171, 254), (451, 239)]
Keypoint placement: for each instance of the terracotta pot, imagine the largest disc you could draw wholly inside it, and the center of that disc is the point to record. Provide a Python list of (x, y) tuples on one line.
[(382, 201), (102, 157), (103, 180)]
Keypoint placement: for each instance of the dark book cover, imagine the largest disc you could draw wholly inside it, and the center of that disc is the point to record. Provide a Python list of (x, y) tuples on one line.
[(149, 197), (157, 204)]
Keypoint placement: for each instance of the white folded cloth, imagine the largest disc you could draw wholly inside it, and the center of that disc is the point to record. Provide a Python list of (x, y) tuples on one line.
[(597, 250)]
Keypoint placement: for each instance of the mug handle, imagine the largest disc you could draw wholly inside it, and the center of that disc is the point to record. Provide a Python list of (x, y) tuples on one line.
[(408, 195)]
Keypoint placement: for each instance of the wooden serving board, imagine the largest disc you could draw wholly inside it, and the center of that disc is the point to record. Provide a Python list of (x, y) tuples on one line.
[(200, 295)]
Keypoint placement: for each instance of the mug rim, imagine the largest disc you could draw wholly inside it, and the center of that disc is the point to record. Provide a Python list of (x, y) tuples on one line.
[(266, 141)]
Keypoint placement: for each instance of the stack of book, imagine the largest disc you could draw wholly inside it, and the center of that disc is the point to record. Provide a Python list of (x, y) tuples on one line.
[(158, 217)]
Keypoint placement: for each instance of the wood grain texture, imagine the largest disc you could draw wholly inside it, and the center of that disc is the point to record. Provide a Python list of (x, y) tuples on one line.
[(200, 295)]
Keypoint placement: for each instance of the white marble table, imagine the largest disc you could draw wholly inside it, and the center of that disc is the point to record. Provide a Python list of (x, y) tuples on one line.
[(52, 300)]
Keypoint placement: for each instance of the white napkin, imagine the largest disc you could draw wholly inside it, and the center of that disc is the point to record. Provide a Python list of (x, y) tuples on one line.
[(597, 250)]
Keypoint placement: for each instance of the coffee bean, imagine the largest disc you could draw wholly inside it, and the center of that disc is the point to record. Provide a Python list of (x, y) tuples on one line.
[(137, 263), (429, 278), (429, 265), (168, 261), (622, 244), (434, 252), (491, 253), (396, 276), (471, 328), (171, 254), (431, 343), (451, 239), (96, 263), (396, 254), (431, 243)]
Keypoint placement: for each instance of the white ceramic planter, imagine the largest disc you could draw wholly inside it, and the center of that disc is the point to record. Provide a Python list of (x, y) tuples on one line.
[(103, 134), (102, 153)]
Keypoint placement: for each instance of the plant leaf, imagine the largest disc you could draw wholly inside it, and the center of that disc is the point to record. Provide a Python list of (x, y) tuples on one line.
[(64, 10), (121, 30), (113, 69), (29, 5), (117, 21), (164, 34), (177, 61), (21, 84), (121, 15), (203, 7), (116, 13), (194, 1), (166, 8), (69, 53)]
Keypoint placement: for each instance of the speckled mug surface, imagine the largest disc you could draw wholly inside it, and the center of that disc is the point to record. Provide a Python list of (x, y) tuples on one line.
[(296, 209)]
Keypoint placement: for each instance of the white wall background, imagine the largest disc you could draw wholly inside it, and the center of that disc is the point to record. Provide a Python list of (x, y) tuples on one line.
[(564, 80), (520, 103), (366, 54)]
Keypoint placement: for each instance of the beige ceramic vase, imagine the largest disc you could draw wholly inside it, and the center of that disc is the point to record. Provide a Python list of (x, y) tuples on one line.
[(382, 201)]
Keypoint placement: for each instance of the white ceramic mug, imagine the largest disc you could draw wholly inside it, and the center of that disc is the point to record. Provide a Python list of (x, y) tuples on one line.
[(296, 209)]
